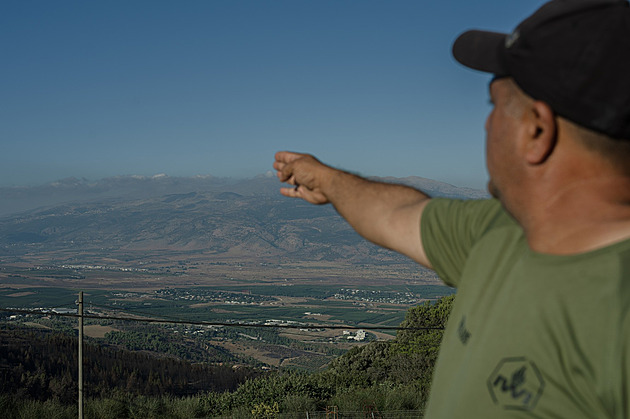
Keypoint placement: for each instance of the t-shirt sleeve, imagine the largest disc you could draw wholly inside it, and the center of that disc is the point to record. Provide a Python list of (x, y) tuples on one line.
[(620, 365), (622, 405), (450, 228)]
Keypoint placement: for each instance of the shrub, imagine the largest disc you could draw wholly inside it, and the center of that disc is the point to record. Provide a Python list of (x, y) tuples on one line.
[(264, 411)]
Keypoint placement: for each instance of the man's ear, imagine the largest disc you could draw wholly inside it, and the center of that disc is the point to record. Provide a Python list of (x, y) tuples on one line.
[(541, 133)]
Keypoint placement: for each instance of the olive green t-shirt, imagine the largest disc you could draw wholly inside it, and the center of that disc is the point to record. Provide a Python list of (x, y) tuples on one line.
[(531, 335)]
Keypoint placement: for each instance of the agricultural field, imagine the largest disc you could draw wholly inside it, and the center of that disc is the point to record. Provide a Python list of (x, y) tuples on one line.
[(279, 323)]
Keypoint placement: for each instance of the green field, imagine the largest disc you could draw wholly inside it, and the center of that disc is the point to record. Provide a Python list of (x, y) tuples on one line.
[(184, 307)]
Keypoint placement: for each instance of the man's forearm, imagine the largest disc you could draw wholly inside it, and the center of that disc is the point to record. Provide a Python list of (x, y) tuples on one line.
[(386, 214)]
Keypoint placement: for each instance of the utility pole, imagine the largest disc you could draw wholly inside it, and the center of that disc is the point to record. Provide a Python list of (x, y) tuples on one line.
[(80, 355)]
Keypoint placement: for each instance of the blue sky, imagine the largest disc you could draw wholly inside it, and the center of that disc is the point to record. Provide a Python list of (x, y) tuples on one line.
[(102, 88)]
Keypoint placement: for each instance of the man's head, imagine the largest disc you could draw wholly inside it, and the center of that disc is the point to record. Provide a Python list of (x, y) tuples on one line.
[(503, 126), (560, 94), (521, 135), (571, 54), (527, 141)]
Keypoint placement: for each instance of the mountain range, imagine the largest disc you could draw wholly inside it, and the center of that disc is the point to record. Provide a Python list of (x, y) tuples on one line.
[(161, 214)]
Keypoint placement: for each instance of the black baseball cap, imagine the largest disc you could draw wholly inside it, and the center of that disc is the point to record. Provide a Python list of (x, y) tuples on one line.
[(572, 54)]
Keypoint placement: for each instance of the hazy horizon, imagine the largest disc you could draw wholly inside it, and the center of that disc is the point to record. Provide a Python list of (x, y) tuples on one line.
[(268, 175)]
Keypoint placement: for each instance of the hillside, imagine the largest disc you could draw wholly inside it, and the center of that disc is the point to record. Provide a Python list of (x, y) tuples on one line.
[(72, 190), (40, 364), (130, 217)]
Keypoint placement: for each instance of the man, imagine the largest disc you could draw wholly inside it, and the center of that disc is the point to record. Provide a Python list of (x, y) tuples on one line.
[(541, 323)]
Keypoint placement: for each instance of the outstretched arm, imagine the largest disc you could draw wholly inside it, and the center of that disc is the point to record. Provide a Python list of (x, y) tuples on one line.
[(386, 214)]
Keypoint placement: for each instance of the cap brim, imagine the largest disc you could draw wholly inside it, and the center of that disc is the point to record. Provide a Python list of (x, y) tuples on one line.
[(481, 50)]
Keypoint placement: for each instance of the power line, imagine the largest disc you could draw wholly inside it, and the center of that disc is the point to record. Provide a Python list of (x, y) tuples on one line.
[(207, 323), (134, 312)]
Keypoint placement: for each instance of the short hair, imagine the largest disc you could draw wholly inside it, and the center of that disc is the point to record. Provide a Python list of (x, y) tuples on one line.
[(517, 99), (614, 150)]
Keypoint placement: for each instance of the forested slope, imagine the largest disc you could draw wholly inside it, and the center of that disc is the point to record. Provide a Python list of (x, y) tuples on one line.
[(393, 375), (41, 365)]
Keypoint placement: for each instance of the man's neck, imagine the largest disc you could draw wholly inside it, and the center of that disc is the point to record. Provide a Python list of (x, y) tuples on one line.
[(582, 216)]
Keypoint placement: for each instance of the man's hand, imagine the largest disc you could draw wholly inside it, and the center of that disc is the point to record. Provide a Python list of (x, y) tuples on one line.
[(306, 173)]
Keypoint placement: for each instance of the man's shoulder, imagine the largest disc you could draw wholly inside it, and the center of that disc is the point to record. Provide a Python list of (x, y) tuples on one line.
[(452, 228), (482, 213)]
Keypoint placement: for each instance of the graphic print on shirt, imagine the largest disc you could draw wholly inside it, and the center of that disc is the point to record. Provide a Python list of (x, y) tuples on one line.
[(516, 383), (462, 332)]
